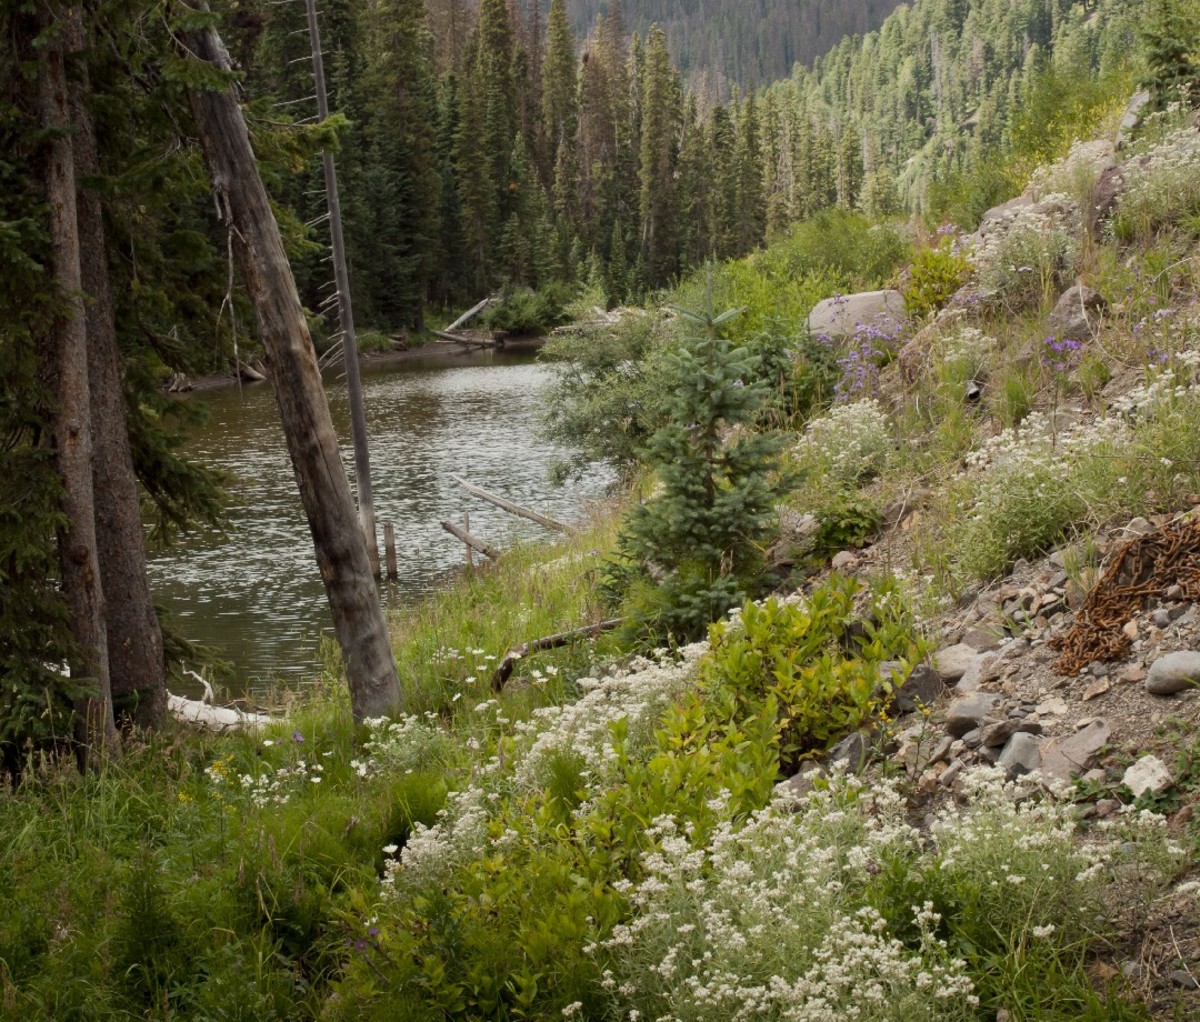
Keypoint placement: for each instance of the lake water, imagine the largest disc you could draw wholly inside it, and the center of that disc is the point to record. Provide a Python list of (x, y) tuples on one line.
[(253, 589)]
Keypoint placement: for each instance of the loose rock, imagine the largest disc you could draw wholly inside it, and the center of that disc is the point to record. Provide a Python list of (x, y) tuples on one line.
[(966, 713), (1064, 757), (1148, 774), (1173, 673), (953, 661), (1021, 755)]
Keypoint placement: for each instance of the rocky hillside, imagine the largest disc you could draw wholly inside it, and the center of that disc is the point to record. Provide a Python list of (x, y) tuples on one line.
[(1047, 517)]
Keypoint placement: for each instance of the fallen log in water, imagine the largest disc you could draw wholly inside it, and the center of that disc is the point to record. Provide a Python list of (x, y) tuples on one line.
[(470, 342), (511, 508), (472, 541)]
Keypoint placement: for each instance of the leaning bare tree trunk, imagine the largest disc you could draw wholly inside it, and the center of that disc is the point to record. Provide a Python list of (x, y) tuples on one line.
[(135, 642), (324, 490), (66, 368)]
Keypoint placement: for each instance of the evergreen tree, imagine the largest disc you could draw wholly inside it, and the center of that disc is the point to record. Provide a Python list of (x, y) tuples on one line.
[(749, 199), (393, 224), (560, 114), (658, 156), (707, 524), (1170, 33)]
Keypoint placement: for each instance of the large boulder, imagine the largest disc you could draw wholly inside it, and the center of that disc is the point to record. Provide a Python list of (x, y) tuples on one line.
[(1077, 314), (842, 316)]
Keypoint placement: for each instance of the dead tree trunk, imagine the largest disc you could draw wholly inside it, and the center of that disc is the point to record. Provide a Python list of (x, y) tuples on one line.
[(324, 489), (135, 642), (66, 367)]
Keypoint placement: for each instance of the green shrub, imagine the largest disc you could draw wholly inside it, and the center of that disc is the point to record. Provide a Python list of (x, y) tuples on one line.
[(606, 397), (523, 311), (813, 663), (934, 275)]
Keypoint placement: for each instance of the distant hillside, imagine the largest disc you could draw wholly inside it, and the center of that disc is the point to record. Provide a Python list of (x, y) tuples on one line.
[(748, 42)]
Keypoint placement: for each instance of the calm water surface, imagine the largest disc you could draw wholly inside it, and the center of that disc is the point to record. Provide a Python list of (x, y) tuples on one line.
[(253, 588)]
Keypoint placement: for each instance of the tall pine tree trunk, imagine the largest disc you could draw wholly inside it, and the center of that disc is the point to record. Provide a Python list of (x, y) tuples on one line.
[(65, 363), (135, 642), (324, 490)]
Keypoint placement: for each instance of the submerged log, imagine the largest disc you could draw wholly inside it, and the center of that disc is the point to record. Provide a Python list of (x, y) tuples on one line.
[(458, 532), (511, 508)]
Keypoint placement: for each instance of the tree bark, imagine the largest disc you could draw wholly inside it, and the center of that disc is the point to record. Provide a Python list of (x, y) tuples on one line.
[(324, 489), (135, 642), (65, 365)]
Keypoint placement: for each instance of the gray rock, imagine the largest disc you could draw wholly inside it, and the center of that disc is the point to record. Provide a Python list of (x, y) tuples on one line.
[(1173, 673), (853, 752), (1183, 979), (1138, 105), (999, 734), (844, 560), (1062, 758), (1022, 754), (1148, 774), (951, 772), (941, 750), (966, 712), (953, 661), (841, 316), (1004, 211), (1077, 314), (983, 640), (981, 669), (797, 537), (1139, 527), (973, 738), (923, 687)]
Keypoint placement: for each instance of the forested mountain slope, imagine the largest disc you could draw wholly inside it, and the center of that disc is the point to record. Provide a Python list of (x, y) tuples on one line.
[(747, 42)]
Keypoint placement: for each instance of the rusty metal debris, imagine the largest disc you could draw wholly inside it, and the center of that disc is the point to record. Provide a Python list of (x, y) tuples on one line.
[(1143, 569)]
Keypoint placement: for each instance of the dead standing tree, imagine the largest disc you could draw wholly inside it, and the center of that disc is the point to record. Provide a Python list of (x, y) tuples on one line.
[(324, 489)]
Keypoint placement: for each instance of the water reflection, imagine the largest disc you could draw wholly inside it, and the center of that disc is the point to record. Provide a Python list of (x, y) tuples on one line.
[(253, 588)]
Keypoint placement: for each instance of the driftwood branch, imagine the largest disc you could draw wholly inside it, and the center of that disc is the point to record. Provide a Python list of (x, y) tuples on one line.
[(458, 532), (474, 310), (215, 718), (511, 508), (504, 671)]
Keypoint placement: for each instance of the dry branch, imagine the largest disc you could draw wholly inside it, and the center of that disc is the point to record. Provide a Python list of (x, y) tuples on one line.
[(549, 642)]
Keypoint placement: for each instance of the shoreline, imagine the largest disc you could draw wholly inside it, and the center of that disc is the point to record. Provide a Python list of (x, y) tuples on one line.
[(215, 381)]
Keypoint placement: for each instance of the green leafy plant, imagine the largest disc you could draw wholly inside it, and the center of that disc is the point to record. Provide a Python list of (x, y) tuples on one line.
[(935, 274), (812, 663), (846, 523)]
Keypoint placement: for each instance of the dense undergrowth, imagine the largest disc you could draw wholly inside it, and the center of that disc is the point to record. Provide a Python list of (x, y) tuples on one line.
[(608, 837)]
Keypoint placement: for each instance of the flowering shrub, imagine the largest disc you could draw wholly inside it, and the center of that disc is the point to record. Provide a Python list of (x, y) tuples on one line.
[(1023, 490), (838, 908), (872, 347), (1029, 253), (401, 746), (1162, 191), (848, 445)]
